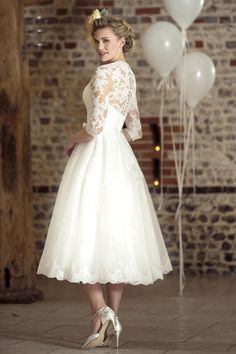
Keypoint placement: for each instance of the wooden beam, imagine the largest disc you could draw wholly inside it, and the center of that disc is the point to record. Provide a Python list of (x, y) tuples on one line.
[(17, 252)]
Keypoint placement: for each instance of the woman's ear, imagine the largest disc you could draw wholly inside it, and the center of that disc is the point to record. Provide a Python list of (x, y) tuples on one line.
[(122, 41)]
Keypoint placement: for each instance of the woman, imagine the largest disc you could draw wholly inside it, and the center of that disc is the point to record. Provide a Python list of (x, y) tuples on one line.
[(104, 228)]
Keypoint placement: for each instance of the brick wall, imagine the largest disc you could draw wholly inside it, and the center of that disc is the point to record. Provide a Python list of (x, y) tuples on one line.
[(58, 77)]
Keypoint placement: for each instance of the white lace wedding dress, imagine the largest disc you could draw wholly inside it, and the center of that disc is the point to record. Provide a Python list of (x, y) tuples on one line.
[(104, 226)]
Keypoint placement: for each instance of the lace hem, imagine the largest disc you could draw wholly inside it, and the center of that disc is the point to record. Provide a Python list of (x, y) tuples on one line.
[(84, 276)]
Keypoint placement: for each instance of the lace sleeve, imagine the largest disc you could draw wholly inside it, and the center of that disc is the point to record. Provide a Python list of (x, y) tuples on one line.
[(132, 121), (101, 85)]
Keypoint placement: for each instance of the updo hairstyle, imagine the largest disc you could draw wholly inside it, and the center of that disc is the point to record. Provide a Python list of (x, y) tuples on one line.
[(119, 26)]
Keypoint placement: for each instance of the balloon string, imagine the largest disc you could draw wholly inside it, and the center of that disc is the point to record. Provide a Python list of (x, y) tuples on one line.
[(162, 145), (165, 84), (177, 167), (182, 172), (193, 153), (178, 211), (182, 124), (162, 85), (184, 95), (181, 257), (186, 144), (185, 40), (182, 160), (181, 163), (179, 216)]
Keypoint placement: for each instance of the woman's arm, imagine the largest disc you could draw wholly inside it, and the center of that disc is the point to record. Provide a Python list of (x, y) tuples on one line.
[(126, 134), (101, 86)]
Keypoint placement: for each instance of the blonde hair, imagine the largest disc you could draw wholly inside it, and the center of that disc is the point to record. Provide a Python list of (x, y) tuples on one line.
[(120, 27)]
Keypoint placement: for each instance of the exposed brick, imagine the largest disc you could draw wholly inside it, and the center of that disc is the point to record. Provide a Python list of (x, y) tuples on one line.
[(84, 11), (147, 10), (58, 46), (116, 11), (230, 44), (145, 128), (170, 146), (206, 19), (45, 120), (147, 134), (41, 189), (148, 120), (66, 20), (45, 148), (79, 20), (108, 3), (33, 63), (168, 163), (79, 63), (70, 45), (144, 164), (167, 137), (87, 3), (199, 44), (225, 19), (61, 12), (151, 154), (51, 81), (29, 21), (145, 19), (47, 94), (48, 46), (176, 129), (141, 145), (131, 19), (169, 181), (147, 170), (167, 172), (52, 20)]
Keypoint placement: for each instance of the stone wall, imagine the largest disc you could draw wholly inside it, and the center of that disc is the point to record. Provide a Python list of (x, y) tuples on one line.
[(58, 77)]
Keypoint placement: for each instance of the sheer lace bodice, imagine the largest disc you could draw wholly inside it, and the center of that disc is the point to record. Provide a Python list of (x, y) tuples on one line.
[(112, 89)]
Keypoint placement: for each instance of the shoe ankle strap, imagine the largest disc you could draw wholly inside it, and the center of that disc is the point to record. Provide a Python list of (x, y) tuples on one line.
[(98, 311)]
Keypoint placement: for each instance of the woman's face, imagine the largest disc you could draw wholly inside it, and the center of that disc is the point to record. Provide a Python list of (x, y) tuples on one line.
[(108, 45)]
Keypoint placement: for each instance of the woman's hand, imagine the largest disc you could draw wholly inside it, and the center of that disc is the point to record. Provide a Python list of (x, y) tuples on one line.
[(74, 139), (80, 137)]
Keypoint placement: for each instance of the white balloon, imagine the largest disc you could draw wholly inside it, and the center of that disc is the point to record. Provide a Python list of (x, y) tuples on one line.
[(184, 12), (198, 71), (162, 47)]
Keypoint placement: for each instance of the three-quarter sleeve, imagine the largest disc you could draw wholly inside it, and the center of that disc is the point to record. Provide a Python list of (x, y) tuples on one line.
[(132, 121), (101, 85)]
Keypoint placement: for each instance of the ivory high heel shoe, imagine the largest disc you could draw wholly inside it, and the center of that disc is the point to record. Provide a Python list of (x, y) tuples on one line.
[(118, 329), (114, 329), (107, 315)]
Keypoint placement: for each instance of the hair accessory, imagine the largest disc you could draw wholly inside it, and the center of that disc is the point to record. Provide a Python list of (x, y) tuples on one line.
[(96, 14), (104, 13)]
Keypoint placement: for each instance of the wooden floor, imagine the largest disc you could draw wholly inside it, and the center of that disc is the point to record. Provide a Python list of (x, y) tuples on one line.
[(154, 318)]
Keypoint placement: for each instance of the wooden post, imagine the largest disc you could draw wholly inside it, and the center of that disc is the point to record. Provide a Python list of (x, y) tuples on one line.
[(17, 253)]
